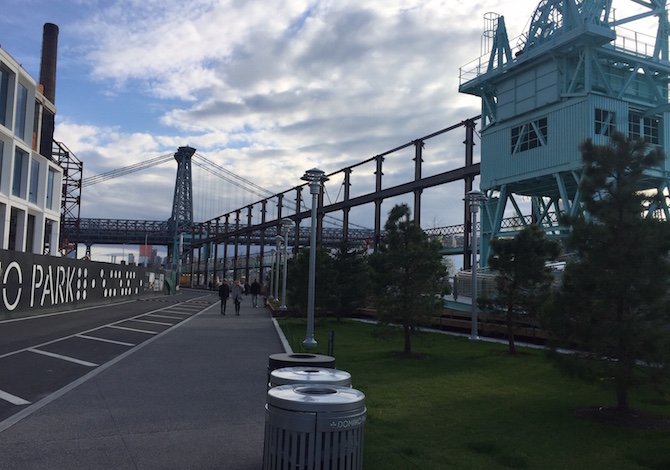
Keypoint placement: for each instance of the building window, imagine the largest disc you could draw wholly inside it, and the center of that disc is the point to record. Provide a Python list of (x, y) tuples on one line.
[(645, 128), (36, 124), (13, 229), (605, 122), (21, 110), (529, 135), (17, 183), (4, 95), (30, 234), (50, 188), (2, 153), (48, 229), (34, 180)]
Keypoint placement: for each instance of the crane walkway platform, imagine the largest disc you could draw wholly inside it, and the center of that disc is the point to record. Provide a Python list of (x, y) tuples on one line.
[(193, 397)]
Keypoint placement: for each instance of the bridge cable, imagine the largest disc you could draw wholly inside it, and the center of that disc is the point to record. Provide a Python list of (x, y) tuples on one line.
[(126, 170)]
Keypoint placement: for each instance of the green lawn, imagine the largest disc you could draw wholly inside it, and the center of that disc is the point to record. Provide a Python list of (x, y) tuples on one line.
[(472, 406)]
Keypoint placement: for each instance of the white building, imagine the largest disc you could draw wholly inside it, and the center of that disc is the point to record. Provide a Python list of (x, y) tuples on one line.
[(30, 183)]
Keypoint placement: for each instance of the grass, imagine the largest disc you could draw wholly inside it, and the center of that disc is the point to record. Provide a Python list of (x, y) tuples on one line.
[(469, 405)]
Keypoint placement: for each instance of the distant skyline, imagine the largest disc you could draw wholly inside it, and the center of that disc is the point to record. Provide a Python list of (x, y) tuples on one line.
[(265, 89)]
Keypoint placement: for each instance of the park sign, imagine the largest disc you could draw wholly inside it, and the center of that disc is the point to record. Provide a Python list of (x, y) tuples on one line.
[(32, 284)]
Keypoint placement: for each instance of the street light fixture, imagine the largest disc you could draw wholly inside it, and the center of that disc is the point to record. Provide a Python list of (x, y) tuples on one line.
[(315, 178), (285, 224), (272, 271), (474, 199), (278, 240)]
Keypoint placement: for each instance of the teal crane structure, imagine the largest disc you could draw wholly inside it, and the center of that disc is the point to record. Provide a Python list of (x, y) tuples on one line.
[(577, 72)]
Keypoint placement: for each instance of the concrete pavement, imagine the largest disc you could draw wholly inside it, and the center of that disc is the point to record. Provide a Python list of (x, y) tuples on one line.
[(191, 398)]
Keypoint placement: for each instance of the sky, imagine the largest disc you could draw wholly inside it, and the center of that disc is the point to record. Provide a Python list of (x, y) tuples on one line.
[(265, 89)]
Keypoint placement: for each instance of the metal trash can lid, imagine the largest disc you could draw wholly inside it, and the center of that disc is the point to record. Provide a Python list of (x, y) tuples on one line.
[(316, 398), (276, 361), (311, 375)]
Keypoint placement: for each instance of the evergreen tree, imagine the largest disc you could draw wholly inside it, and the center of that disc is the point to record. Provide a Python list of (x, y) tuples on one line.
[(522, 278), (352, 279), (613, 304), (326, 297), (406, 274)]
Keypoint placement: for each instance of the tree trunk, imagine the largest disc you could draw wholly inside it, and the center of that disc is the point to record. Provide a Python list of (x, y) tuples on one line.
[(622, 397), (408, 334), (510, 331)]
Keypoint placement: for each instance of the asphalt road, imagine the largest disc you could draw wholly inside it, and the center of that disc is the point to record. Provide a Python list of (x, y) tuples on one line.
[(40, 355)]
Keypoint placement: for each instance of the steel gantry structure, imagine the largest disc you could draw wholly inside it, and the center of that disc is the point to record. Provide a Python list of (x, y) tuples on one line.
[(187, 240), (229, 229), (577, 73)]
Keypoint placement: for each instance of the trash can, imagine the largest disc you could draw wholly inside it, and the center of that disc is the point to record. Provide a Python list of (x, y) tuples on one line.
[(280, 360), (309, 375), (310, 427)]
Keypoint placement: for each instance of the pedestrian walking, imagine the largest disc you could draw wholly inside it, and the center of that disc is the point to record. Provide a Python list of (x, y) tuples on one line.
[(224, 293), (237, 294), (255, 291)]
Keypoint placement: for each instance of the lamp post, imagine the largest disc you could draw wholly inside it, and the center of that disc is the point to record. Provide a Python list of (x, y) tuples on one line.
[(272, 271), (474, 199), (278, 240), (315, 178), (285, 224)]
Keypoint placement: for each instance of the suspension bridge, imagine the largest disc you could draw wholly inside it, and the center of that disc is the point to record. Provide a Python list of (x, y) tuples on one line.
[(207, 243)]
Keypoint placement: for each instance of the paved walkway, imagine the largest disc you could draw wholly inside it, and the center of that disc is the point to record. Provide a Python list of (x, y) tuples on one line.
[(191, 398)]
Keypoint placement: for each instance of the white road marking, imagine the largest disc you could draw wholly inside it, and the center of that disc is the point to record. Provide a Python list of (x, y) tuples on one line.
[(105, 340), (13, 399), (164, 316), (153, 322), (63, 358), (29, 410), (132, 329)]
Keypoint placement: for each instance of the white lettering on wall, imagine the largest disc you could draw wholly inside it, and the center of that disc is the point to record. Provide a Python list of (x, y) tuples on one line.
[(12, 265)]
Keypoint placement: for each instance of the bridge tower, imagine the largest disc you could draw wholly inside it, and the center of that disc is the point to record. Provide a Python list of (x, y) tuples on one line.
[(181, 220), (575, 74)]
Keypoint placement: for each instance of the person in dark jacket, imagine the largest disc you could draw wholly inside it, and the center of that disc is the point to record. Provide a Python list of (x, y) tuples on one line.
[(237, 293), (255, 291), (224, 293)]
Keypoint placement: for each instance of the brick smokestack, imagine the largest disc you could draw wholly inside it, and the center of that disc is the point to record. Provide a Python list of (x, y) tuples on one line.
[(48, 65), (48, 81)]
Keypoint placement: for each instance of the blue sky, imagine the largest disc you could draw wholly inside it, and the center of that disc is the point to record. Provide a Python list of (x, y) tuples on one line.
[(265, 89)]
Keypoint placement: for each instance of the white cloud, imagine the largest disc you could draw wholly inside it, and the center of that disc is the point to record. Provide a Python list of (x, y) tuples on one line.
[(270, 89)]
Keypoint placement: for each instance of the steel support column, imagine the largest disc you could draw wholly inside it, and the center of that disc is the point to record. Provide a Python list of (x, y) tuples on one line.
[(249, 209), (346, 209), (225, 244), (469, 181), (378, 203), (298, 202), (261, 268), (418, 159), (237, 242)]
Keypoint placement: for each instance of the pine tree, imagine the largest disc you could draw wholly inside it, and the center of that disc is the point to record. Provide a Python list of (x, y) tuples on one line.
[(406, 274), (522, 277), (613, 305)]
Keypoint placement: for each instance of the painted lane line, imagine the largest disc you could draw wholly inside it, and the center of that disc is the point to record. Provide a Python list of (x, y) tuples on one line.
[(162, 309), (154, 322), (132, 329), (63, 358), (13, 399), (25, 412), (105, 340), (163, 316)]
